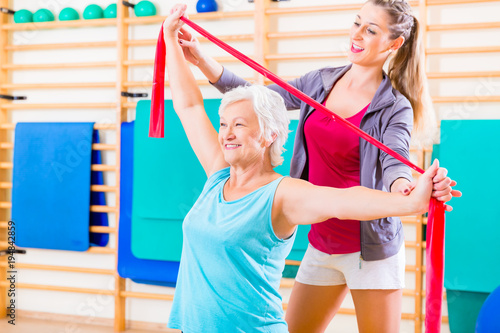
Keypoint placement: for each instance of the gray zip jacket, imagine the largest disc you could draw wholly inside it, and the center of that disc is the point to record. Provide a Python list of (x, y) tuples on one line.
[(389, 119)]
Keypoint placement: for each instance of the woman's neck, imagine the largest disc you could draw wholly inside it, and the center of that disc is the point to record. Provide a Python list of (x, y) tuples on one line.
[(363, 77), (250, 175)]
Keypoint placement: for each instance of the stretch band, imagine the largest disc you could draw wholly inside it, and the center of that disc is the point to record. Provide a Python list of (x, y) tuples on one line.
[(157, 118), (435, 223)]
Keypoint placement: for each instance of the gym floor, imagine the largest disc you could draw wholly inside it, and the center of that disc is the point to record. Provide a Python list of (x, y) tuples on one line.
[(32, 325)]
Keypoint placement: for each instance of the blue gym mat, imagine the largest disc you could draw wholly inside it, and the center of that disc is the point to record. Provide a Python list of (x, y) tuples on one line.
[(51, 186), (472, 228), (157, 272)]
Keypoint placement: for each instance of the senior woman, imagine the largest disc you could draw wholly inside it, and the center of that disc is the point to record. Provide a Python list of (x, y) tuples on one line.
[(240, 230)]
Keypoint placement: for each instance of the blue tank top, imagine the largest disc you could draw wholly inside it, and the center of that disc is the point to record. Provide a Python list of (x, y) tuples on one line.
[(231, 264)]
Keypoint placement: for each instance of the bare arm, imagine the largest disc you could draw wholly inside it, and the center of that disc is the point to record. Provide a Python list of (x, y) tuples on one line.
[(306, 203), (187, 98), (300, 202)]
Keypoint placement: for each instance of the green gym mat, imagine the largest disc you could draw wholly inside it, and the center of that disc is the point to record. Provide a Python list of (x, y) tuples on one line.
[(472, 229), (167, 181), (463, 309)]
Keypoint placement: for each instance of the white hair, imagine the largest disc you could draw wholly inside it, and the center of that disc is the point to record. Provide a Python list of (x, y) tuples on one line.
[(271, 112)]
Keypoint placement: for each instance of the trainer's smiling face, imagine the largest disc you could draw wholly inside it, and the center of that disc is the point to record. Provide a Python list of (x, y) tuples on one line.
[(370, 42), (240, 135)]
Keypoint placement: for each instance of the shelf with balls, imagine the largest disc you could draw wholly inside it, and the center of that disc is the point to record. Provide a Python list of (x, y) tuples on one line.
[(94, 15)]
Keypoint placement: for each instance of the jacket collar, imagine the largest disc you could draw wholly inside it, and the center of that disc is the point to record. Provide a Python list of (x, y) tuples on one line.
[(384, 96)]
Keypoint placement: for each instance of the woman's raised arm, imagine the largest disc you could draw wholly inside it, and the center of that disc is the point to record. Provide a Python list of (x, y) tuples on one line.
[(187, 98)]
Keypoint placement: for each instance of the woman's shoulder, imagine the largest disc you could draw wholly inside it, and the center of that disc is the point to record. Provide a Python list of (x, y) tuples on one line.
[(401, 100), (393, 99), (328, 73), (217, 177), (325, 71)]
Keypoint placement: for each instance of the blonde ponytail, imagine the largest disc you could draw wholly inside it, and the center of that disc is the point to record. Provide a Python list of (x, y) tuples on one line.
[(407, 70)]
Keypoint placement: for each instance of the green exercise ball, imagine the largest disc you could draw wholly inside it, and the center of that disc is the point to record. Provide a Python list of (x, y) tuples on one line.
[(68, 14), (23, 16), (110, 11), (93, 12), (43, 15), (145, 8)]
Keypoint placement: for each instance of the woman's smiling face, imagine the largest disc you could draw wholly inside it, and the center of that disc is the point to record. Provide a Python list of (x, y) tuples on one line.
[(240, 135), (370, 41)]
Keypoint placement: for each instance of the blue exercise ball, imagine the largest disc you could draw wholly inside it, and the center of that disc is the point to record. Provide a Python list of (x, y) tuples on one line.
[(488, 320), (203, 6)]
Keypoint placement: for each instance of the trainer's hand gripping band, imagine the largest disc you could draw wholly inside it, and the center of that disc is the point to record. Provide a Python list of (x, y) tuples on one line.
[(436, 220)]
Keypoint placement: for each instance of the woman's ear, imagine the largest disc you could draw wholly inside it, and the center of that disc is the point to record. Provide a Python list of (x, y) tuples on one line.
[(396, 44), (273, 138)]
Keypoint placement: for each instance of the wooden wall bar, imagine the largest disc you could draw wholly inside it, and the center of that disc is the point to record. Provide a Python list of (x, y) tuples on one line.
[(4, 157)]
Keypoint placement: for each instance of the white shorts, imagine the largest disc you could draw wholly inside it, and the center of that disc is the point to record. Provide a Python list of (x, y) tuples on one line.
[(321, 269)]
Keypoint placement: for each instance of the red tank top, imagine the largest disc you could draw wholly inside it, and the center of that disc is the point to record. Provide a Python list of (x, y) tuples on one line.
[(333, 154)]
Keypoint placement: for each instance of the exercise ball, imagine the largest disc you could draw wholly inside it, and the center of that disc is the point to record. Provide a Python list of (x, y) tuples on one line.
[(93, 12), (203, 6), (43, 15), (68, 14), (145, 8), (23, 16), (110, 11), (488, 320)]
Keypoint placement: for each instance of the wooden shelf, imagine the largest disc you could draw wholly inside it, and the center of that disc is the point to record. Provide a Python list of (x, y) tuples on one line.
[(462, 75), (27, 106), (455, 2), (74, 85), (59, 24), (225, 38), (319, 9), (463, 26), (37, 47), (59, 65), (465, 99), (193, 17), (306, 56), (461, 50), (308, 34)]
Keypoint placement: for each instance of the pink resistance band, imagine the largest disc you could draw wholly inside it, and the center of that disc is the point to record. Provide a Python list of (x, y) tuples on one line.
[(435, 224)]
